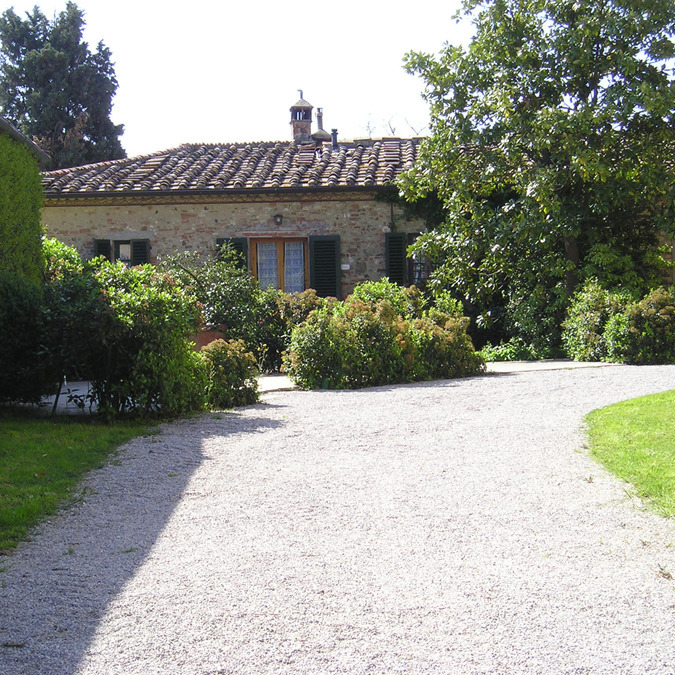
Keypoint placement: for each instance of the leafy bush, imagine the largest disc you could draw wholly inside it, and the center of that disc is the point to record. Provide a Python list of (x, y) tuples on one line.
[(406, 302), (514, 350), (645, 332), (444, 302), (22, 377), (229, 295), (231, 373), (443, 349), (592, 307), (146, 361), (364, 342), (277, 313), (75, 315), (374, 344)]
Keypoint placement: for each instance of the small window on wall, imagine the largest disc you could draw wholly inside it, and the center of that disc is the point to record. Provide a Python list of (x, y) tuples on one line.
[(131, 252), (280, 263), (400, 268)]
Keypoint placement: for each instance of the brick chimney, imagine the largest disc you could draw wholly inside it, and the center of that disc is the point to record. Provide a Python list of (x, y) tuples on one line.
[(301, 120)]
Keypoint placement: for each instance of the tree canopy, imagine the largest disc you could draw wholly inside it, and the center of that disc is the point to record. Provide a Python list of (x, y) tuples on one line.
[(55, 90), (552, 144)]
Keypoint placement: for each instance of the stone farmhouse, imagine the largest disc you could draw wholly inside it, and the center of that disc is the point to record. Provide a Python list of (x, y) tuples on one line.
[(313, 212)]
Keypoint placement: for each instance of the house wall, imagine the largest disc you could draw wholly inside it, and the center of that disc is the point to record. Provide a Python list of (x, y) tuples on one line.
[(360, 220)]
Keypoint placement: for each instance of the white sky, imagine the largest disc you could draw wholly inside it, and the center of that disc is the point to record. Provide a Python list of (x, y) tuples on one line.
[(221, 71)]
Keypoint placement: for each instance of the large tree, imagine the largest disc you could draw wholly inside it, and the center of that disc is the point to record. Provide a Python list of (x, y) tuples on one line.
[(552, 145), (55, 90)]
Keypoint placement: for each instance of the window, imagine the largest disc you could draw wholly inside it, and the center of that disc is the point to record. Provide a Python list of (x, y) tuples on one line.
[(293, 264), (400, 268), (280, 263), (131, 252)]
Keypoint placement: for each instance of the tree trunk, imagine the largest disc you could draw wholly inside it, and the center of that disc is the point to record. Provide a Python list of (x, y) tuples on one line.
[(571, 256)]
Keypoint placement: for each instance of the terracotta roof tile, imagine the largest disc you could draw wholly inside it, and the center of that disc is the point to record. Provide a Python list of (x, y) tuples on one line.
[(239, 166)]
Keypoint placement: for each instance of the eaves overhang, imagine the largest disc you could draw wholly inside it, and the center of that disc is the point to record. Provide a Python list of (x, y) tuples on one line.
[(206, 196)]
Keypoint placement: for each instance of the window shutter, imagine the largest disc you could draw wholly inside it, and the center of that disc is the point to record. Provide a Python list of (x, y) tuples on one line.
[(324, 265), (140, 251), (102, 248), (239, 244), (395, 253)]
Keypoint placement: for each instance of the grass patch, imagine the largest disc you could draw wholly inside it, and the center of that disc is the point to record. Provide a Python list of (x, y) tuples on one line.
[(42, 460), (636, 441)]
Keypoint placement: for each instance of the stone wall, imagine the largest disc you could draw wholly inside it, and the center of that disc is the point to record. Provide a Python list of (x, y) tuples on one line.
[(360, 220)]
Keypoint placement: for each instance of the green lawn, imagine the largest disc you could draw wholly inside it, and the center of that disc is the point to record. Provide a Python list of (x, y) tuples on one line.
[(636, 441), (42, 460)]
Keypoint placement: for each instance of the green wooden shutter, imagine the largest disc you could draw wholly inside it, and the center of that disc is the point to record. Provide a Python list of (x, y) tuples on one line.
[(395, 254), (102, 248), (324, 265), (140, 251), (239, 244)]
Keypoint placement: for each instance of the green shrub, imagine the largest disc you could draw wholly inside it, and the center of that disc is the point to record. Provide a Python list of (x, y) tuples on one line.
[(374, 344), (444, 302), (146, 364), (645, 332), (277, 313), (406, 302), (514, 350), (232, 374), (443, 350), (226, 290), (361, 343), (75, 315), (22, 377), (314, 358), (591, 309)]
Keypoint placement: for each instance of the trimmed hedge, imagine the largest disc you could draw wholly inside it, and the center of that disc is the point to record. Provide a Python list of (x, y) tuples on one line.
[(21, 199)]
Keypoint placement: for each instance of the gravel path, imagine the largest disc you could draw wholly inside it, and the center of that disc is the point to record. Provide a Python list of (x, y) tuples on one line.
[(450, 527)]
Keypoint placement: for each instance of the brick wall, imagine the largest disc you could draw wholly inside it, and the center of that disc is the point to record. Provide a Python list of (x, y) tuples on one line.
[(361, 223)]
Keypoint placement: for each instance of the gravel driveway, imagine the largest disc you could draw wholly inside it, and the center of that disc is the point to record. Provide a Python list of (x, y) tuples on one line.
[(449, 527)]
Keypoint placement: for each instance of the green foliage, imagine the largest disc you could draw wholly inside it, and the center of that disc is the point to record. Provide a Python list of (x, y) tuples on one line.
[(231, 374), (516, 349), (551, 148), (55, 90), (20, 204), (21, 376), (75, 314), (364, 342), (442, 347), (126, 330), (645, 332), (225, 289), (233, 303), (607, 325), (407, 302), (444, 301), (591, 309), (146, 363), (277, 314)]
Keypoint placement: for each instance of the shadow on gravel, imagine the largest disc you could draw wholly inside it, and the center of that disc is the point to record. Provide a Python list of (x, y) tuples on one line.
[(55, 590)]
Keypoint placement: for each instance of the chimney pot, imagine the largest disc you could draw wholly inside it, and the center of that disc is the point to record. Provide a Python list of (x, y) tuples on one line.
[(333, 134)]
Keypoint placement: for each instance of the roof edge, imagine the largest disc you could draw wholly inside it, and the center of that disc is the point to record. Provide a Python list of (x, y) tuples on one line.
[(321, 193), (43, 158)]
